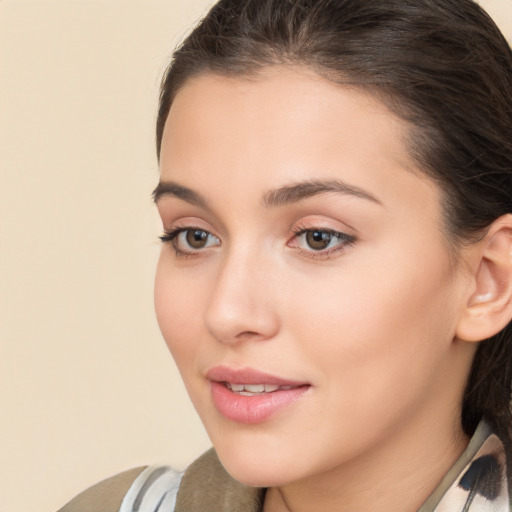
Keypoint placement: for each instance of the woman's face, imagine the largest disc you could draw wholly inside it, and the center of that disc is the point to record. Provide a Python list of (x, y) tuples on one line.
[(304, 287)]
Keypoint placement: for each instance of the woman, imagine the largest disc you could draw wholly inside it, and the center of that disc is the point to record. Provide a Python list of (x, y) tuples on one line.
[(335, 281)]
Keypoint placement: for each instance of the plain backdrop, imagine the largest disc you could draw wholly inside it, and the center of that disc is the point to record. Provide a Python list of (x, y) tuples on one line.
[(87, 387)]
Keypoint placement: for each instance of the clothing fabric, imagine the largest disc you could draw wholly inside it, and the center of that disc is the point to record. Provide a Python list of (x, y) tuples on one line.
[(477, 482), (105, 496), (155, 489)]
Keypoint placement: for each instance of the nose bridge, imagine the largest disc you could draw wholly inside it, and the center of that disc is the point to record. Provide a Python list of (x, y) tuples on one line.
[(240, 304)]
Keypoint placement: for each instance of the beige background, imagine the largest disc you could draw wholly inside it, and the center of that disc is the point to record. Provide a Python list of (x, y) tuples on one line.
[(87, 387)]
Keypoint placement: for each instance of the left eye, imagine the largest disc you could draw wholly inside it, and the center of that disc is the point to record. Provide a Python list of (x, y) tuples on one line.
[(321, 239)]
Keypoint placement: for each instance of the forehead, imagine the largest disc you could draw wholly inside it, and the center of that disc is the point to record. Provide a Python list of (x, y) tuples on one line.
[(281, 126), (297, 99), (280, 95)]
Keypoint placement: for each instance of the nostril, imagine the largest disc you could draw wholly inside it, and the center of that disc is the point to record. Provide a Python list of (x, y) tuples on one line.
[(247, 334), (250, 335)]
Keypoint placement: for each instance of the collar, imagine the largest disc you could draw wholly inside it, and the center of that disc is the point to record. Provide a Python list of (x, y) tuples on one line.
[(478, 479)]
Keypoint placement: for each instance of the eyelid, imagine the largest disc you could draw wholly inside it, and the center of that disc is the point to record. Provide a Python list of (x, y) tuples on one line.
[(346, 240), (322, 223), (171, 236), (173, 224), (176, 212)]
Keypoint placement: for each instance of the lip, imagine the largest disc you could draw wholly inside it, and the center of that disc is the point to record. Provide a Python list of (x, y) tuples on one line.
[(251, 409), (248, 376)]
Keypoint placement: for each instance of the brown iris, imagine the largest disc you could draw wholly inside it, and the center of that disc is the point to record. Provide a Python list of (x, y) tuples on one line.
[(196, 238), (318, 240)]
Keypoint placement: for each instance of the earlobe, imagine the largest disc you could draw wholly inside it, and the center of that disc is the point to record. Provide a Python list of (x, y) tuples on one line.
[(489, 307)]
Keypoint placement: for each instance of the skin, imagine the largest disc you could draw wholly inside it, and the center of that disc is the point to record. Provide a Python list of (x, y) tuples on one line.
[(369, 322)]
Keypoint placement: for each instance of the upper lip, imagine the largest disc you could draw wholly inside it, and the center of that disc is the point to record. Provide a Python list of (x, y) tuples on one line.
[(248, 376)]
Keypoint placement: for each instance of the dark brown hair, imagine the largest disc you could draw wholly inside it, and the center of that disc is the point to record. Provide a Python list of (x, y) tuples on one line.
[(442, 65)]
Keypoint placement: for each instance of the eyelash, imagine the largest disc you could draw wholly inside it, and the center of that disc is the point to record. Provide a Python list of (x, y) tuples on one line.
[(170, 237), (345, 241)]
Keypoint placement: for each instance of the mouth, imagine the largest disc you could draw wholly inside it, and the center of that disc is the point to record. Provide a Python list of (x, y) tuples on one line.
[(255, 389), (249, 396)]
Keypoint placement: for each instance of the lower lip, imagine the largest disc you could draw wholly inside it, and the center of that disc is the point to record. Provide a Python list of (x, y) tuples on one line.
[(252, 409)]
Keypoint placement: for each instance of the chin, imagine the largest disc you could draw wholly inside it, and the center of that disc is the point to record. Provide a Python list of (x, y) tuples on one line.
[(255, 475), (255, 466)]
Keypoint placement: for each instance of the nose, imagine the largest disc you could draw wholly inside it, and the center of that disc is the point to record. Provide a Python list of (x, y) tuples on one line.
[(242, 305)]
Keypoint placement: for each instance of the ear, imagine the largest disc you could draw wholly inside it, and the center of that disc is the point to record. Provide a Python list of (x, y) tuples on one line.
[(489, 308)]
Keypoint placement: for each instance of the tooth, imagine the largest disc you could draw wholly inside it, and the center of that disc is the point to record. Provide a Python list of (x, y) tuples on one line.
[(270, 387), (245, 393), (235, 387), (255, 388)]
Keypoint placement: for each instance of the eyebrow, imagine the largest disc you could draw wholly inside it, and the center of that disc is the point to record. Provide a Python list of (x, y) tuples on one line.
[(298, 191), (274, 198), (169, 188)]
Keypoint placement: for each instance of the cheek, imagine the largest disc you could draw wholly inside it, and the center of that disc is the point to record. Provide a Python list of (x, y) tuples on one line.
[(176, 306), (374, 333)]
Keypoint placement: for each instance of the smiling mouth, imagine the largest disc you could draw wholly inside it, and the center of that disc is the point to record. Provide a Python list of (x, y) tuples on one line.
[(254, 402), (256, 389)]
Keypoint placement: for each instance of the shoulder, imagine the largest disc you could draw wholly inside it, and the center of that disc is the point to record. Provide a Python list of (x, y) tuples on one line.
[(105, 496)]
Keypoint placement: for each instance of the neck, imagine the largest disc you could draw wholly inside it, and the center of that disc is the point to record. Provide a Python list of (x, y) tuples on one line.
[(397, 475)]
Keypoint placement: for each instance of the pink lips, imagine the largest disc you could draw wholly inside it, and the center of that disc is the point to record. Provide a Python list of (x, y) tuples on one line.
[(257, 407)]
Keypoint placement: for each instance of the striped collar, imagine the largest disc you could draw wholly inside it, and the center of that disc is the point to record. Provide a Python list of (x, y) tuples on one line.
[(477, 481)]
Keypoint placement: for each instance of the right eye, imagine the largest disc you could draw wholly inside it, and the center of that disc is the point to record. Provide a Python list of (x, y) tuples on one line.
[(186, 241)]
